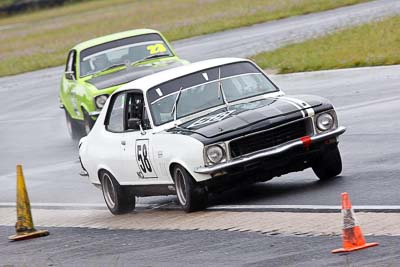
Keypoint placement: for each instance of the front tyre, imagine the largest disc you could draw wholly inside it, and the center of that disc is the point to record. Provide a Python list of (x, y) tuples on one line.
[(328, 164), (191, 196), (73, 127), (118, 198)]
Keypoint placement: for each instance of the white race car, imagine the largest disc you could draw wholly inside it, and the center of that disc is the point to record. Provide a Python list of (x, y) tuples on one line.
[(202, 128)]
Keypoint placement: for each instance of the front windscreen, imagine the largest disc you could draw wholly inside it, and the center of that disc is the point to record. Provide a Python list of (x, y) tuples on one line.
[(206, 89), (122, 52)]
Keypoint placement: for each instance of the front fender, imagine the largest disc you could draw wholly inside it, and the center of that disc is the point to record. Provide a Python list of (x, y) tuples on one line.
[(196, 176), (180, 149)]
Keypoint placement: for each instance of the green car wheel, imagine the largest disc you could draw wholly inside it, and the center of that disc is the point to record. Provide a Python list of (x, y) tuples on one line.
[(74, 128), (88, 123)]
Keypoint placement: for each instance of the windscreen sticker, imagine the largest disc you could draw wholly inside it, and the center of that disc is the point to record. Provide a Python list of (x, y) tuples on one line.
[(205, 75), (156, 48), (158, 90), (210, 119)]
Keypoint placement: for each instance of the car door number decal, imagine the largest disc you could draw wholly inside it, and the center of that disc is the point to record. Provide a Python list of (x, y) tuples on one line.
[(143, 159)]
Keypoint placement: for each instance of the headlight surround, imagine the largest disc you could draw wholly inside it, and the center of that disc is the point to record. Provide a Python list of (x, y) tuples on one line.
[(325, 121), (100, 101), (215, 153)]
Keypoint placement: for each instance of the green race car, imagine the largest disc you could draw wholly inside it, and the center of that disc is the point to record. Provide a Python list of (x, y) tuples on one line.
[(96, 68)]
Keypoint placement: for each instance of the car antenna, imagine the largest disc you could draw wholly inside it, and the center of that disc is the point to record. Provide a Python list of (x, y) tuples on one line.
[(174, 107), (221, 89)]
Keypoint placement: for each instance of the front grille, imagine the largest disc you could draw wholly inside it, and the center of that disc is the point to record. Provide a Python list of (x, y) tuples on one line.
[(269, 138)]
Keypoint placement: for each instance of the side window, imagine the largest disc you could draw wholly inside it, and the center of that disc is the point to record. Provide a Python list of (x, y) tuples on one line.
[(137, 109), (115, 122), (71, 62)]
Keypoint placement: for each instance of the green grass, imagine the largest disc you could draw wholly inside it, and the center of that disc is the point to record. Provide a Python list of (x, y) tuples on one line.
[(370, 44), (5, 2), (41, 39)]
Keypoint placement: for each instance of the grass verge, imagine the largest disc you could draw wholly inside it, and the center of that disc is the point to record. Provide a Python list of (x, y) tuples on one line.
[(371, 44), (41, 39)]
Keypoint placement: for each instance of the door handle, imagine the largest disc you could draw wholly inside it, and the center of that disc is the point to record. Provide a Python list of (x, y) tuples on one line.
[(123, 142)]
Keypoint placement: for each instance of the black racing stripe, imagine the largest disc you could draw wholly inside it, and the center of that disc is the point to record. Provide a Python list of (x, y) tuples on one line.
[(130, 74)]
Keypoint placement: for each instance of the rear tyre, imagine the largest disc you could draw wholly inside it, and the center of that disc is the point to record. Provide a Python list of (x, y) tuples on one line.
[(191, 196), (88, 123), (328, 164), (74, 129), (118, 198)]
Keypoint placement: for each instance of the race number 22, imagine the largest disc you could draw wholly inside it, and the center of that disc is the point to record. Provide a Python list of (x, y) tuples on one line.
[(143, 159), (156, 48)]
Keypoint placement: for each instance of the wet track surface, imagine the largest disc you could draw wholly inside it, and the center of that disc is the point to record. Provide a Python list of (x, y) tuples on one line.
[(33, 131), (367, 101)]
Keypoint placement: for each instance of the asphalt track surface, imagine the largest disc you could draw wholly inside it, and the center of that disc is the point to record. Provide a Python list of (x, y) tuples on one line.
[(96, 247), (33, 131)]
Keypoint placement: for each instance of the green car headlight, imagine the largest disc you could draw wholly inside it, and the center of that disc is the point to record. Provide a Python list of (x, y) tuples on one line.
[(100, 101)]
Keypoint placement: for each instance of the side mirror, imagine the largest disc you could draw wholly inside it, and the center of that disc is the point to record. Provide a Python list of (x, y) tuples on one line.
[(134, 123), (70, 75)]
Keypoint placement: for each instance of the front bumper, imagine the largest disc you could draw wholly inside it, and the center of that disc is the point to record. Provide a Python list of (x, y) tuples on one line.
[(94, 113), (269, 152)]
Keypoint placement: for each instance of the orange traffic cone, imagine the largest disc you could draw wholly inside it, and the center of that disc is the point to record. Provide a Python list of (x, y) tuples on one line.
[(24, 226), (353, 238)]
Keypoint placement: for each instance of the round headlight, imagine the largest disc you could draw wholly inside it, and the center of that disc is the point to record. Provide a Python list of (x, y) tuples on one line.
[(325, 121), (215, 154), (101, 100)]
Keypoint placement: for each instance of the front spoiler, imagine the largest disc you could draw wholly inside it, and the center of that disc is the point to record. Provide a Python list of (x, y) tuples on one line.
[(269, 152)]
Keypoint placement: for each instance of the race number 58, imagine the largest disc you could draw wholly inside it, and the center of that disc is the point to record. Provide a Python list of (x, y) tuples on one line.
[(143, 159)]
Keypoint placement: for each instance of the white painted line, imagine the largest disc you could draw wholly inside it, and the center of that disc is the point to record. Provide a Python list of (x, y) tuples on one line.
[(253, 207), (172, 206), (86, 205), (70, 205), (376, 208)]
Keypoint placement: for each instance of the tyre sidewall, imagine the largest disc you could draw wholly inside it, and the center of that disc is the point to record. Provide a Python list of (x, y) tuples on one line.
[(88, 123), (328, 164), (196, 197), (124, 201), (74, 129)]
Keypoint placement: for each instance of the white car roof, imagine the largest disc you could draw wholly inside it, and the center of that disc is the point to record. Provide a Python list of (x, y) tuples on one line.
[(152, 80)]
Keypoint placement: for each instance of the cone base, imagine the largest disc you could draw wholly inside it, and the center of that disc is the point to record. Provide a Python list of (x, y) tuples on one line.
[(28, 235), (342, 250)]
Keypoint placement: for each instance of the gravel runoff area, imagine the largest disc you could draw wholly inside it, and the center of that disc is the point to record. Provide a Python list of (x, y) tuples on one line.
[(99, 247)]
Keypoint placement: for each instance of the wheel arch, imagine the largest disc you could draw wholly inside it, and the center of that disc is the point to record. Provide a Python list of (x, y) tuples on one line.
[(196, 176), (104, 169)]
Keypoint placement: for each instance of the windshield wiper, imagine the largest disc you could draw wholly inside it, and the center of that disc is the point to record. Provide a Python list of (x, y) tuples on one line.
[(221, 90), (108, 68), (133, 63), (150, 57), (174, 108)]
